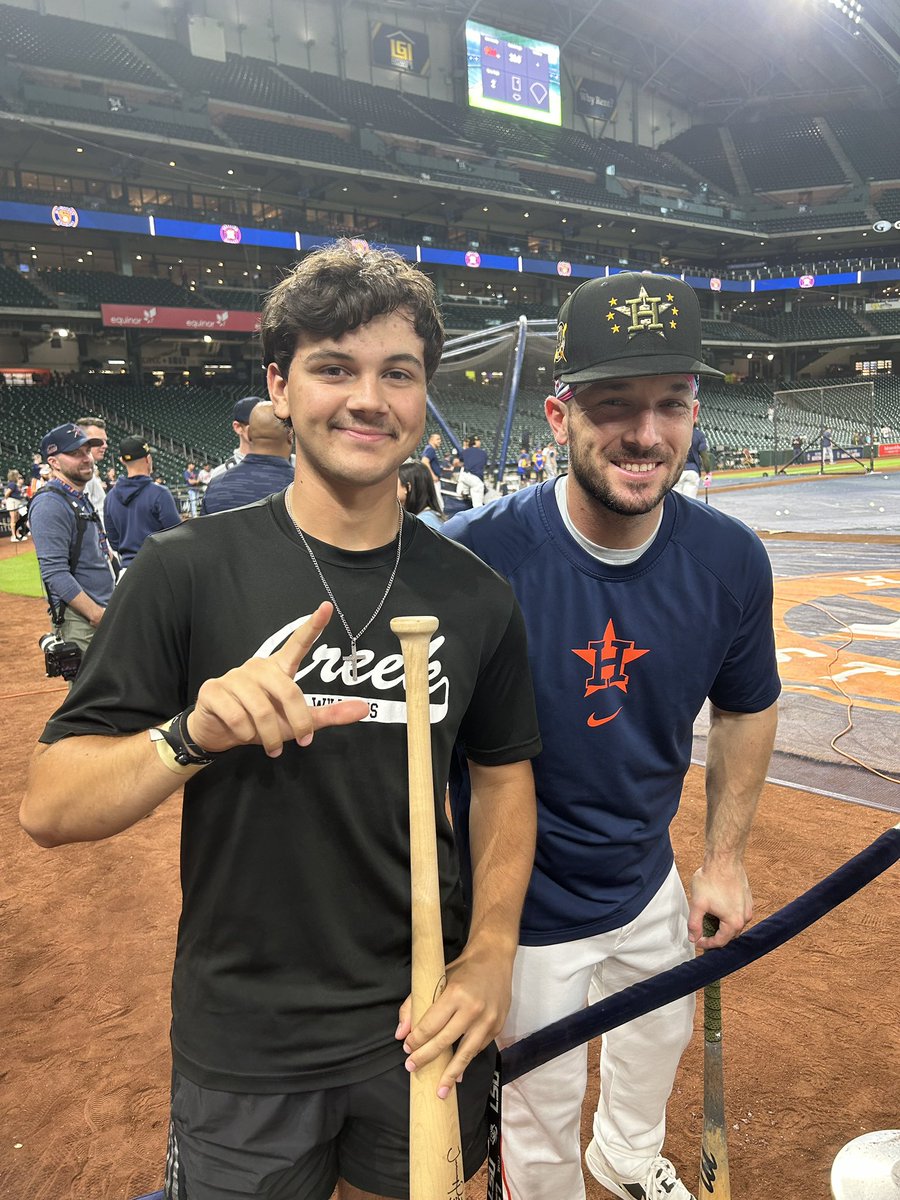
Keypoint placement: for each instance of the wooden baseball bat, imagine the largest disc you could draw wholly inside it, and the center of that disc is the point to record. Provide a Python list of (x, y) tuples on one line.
[(435, 1145), (715, 1179)]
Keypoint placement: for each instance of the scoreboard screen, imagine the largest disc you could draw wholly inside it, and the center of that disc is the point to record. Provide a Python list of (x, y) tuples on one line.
[(516, 76)]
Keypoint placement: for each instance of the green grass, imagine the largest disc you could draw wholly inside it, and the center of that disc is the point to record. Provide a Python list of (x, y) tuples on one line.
[(19, 575)]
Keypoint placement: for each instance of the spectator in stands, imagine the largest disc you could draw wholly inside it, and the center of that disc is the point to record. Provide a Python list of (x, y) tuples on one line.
[(431, 459), (136, 506), (418, 495), (95, 428), (264, 470), (192, 481), (13, 495), (472, 465), (698, 462), (240, 423), (69, 538)]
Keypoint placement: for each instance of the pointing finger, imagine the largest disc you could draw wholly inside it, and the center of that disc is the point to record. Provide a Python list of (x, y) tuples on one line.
[(295, 649)]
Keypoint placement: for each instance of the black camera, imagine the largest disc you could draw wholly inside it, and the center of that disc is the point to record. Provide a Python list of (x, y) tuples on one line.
[(60, 657)]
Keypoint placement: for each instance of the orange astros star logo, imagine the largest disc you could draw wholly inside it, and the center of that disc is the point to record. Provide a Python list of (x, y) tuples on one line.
[(608, 659)]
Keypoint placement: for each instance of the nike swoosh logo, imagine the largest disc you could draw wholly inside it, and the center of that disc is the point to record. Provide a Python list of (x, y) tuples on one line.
[(595, 721)]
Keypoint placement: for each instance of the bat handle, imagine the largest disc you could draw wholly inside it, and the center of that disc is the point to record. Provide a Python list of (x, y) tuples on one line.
[(712, 993)]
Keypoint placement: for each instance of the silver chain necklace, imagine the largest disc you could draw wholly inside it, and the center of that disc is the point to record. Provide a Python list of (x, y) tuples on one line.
[(351, 659)]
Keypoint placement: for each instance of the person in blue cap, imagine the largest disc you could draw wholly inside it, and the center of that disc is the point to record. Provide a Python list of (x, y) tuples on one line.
[(73, 553)]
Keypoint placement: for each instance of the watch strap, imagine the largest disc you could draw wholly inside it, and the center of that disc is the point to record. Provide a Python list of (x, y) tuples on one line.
[(187, 752)]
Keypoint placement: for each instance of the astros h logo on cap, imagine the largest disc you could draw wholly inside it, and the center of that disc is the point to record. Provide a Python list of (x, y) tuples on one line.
[(633, 323)]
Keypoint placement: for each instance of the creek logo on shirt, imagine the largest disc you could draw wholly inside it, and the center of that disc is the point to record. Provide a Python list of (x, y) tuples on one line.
[(608, 658), (324, 677)]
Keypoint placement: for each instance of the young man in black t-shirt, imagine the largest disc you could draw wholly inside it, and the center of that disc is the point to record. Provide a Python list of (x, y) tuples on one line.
[(291, 1036)]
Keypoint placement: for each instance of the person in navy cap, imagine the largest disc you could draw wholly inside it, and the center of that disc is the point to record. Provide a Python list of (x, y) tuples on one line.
[(264, 470), (240, 423), (73, 554)]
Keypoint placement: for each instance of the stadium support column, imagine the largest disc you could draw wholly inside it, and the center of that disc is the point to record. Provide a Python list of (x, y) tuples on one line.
[(511, 383), (133, 355)]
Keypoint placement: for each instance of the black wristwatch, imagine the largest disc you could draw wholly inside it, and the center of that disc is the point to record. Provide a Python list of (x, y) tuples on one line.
[(187, 753)]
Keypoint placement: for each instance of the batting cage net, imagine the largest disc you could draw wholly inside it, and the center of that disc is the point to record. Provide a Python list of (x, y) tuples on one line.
[(833, 427)]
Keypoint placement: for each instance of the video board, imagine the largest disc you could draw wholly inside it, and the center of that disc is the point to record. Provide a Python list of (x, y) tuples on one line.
[(516, 76)]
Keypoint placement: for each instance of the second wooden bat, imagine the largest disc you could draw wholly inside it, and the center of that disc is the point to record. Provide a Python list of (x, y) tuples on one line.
[(715, 1179)]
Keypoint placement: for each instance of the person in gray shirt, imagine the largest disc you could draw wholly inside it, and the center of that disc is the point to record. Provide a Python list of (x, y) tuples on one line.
[(69, 539)]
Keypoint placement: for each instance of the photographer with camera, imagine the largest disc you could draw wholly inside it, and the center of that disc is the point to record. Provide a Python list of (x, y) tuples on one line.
[(71, 546)]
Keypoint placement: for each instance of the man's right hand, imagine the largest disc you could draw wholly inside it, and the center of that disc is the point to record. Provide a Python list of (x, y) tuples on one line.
[(259, 704)]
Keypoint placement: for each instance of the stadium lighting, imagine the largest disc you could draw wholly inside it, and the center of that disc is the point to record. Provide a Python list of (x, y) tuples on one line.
[(61, 332)]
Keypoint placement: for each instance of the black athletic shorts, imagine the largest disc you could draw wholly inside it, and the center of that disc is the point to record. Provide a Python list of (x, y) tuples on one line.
[(233, 1146)]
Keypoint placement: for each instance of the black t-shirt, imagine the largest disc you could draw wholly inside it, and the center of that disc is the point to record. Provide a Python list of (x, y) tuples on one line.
[(293, 951)]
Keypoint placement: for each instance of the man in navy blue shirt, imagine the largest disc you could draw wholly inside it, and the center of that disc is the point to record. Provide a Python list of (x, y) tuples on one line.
[(698, 460), (472, 464), (639, 605), (264, 470), (431, 458), (240, 423), (136, 506)]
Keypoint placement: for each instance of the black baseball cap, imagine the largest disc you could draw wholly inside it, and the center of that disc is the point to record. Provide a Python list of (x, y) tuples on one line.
[(243, 408), (64, 439), (133, 448), (633, 323)]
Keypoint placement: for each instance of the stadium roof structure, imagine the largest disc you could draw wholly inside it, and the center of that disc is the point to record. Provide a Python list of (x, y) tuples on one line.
[(718, 59)]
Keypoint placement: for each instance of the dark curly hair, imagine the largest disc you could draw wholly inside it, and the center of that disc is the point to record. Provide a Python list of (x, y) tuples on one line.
[(337, 288)]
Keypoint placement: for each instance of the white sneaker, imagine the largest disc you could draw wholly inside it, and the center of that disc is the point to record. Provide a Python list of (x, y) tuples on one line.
[(661, 1181)]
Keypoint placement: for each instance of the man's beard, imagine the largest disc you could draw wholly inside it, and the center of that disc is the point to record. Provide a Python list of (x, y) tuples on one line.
[(74, 479), (591, 480)]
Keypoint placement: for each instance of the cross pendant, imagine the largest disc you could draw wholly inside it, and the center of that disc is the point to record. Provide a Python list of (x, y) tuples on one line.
[(353, 662)]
